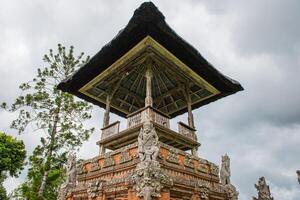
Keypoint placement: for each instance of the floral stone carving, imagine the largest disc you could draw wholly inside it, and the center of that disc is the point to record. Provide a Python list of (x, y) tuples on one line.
[(125, 156), (93, 188), (148, 178), (173, 156), (188, 162)]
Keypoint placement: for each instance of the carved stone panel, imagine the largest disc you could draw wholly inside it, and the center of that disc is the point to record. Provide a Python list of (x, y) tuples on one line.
[(188, 162), (108, 161), (173, 156)]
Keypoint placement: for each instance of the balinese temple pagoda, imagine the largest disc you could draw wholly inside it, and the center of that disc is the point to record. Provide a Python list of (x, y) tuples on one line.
[(149, 75)]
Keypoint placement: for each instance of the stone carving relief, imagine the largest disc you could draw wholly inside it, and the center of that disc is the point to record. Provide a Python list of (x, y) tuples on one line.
[(108, 161), (214, 169), (125, 156), (231, 191), (70, 182), (188, 162), (93, 188), (173, 156), (263, 190), (95, 165), (80, 168), (204, 193), (148, 178), (148, 146)]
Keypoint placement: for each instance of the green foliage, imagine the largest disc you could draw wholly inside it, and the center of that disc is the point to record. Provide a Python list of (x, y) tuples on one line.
[(12, 158), (12, 153), (60, 115), (3, 195)]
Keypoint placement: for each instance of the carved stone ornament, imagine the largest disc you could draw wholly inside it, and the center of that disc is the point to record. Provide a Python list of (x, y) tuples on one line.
[(95, 165), (70, 182), (173, 156), (214, 169), (188, 162), (148, 178), (231, 192), (80, 169), (263, 190), (204, 193), (225, 170), (108, 161), (125, 156), (93, 188), (298, 173)]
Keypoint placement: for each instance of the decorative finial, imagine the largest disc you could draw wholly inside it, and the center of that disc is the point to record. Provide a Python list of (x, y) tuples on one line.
[(263, 190)]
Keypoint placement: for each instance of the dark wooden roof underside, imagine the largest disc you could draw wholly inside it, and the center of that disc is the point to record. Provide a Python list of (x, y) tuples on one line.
[(149, 21)]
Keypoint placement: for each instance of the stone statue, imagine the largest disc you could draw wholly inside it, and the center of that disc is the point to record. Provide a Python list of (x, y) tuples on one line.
[(298, 173), (148, 178), (225, 173), (70, 182), (148, 148), (225, 170), (263, 190)]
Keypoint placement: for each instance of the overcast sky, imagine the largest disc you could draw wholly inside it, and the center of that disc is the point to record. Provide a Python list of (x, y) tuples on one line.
[(255, 42)]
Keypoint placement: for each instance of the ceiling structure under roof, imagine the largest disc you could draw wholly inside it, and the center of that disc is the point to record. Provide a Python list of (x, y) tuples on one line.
[(147, 42)]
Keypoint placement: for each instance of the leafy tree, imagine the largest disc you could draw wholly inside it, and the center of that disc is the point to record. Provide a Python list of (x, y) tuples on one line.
[(12, 158), (60, 116)]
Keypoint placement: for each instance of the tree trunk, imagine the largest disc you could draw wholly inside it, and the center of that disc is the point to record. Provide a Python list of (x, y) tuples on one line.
[(49, 156)]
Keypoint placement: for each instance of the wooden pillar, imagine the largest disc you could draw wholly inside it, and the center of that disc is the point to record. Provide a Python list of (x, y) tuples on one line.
[(148, 75), (107, 110), (191, 123)]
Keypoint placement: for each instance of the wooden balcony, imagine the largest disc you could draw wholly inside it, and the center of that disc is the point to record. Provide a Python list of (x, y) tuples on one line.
[(184, 139)]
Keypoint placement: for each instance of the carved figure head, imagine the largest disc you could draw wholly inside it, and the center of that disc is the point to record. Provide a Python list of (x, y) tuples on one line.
[(147, 126)]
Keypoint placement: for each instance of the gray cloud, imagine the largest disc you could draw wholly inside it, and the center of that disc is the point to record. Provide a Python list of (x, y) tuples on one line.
[(255, 42)]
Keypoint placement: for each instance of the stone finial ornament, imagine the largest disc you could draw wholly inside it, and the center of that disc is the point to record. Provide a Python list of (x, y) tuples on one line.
[(225, 174), (263, 190), (70, 182), (298, 173), (147, 179), (225, 170)]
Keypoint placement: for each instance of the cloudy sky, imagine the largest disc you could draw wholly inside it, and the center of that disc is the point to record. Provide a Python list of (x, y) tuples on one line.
[(255, 42)]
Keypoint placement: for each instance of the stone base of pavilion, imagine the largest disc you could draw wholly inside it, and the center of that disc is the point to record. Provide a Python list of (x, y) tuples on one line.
[(108, 176)]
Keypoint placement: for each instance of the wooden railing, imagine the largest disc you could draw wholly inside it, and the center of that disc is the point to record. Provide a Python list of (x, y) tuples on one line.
[(140, 116), (110, 130), (187, 131)]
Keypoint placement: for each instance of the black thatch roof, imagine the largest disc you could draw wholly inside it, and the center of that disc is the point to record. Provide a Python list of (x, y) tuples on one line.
[(148, 20)]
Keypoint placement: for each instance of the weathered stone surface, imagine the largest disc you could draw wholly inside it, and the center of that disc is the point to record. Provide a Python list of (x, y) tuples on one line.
[(173, 156), (70, 182), (225, 174), (148, 178), (188, 162), (263, 190), (108, 161), (225, 170), (93, 188)]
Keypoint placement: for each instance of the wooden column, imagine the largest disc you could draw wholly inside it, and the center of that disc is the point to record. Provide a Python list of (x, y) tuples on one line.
[(106, 117), (187, 95), (148, 75), (191, 123), (106, 113)]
